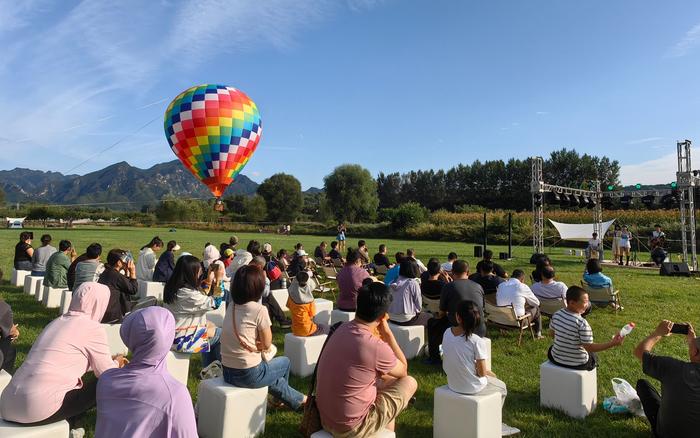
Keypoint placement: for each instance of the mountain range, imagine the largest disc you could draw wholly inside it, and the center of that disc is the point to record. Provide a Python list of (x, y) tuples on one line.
[(120, 185)]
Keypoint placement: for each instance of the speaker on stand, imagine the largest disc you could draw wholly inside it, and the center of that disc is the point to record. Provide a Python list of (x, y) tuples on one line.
[(478, 251), (675, 269)]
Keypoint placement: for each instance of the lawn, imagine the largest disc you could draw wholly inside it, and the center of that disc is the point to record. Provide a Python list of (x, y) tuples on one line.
[(647, 298)]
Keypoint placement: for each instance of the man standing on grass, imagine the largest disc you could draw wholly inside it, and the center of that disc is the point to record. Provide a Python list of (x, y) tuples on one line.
[(363, 382), (676, 412)]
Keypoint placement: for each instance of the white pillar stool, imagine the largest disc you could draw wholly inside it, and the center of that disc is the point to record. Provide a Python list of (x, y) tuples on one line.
[(5, 378), (66, 299), (151, 289), (323, 311), (18, 277), (572, 391), (52, 297), (114, 340), (179, 366), (228, 411), (386, 433), (409, 337), (338, 315), (217, 316), (466, 416), (30, 283), (281, 296), (39, 291), (303, 352), (53, 430)]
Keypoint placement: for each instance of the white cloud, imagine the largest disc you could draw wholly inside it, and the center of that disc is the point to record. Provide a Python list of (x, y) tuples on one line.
[(364, 5), (657, 171), (689, 41), (644, 140), (542, 113)]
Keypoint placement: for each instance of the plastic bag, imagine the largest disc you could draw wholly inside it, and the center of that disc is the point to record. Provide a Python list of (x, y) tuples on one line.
[(625, 396)]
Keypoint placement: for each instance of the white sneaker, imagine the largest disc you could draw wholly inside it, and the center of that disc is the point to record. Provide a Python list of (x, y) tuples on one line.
[(508, 431), (77, 433)]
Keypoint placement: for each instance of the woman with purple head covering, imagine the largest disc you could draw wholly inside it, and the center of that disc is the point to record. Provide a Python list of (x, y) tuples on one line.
[(143, 399)]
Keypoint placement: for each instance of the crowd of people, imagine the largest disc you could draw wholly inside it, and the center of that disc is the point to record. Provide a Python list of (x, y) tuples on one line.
[(362, 380)]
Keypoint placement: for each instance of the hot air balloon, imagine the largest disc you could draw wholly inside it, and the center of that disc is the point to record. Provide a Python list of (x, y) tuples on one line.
[(213, 130)]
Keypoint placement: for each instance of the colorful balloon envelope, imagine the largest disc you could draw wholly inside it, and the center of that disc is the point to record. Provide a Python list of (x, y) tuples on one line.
[(213, 130)]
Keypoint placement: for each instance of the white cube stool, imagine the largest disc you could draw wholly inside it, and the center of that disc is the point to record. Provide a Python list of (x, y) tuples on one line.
[(18, 277), (66, 299), (151, 289), (228, 411), (217, 316), (281, 296), (30, 283), (114, 340), (466, 416), (303, 352), (53, 430), (39, 292), (410, 338), (179, 366), (338, 315), (382, 434), (572, 391), (323, 311), (5, 378), (52, 297)]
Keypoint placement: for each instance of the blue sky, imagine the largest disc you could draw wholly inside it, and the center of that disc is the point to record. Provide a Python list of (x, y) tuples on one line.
[(393, 85)]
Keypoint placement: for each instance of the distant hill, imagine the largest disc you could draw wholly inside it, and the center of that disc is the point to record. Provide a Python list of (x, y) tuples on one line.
[(117, 183)]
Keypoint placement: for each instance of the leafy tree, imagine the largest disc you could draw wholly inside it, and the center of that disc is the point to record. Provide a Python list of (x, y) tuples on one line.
[(352, 193), (389, 190), (255, 209), (185, 210), (282, 194), (407, 215)]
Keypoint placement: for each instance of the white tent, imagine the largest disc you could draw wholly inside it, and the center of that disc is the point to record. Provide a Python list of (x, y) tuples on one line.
[(15, 222), (579, 232)]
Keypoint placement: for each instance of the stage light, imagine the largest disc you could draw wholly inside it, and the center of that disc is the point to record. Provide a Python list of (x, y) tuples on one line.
[(573, 200), (563, 200), (591, 202), (648, 201), (537, 199), (552, 198), (670, 201), (637, 186), (606, 202), (674, 185), (611, 188), (625, 201), (584, 201)]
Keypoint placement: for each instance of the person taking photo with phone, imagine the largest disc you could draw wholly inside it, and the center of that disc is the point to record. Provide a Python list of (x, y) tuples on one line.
[(676, 412), (120, 276)]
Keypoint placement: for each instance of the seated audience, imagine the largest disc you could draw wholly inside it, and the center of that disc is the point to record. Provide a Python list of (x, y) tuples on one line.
[(350, 280), (122, 287), (233, 243), (549, 288), (447, 266), (283, 260), (464, 359), (41, 256), (594, 276), (268, 300), (189, 306), (166, 263), (380, 258), (407, 303), (90, 268), (363, 251), (147, 259), (335, 254), (453, 293), (56, 275), (320, 252), (541, 263), (302, 307), (49, 386), (497, 269), (393, 273), (243, 257), (676, 411), (8, 334), (411, 254), (514, 291), (432, 280), (300, 262), (363, 382), (486, 278), (210, 254), (143, 399), (247, 332), (573, 337), (24, 252)]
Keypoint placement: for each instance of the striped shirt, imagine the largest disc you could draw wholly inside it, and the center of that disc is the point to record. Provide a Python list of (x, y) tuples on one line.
[(571, 331)]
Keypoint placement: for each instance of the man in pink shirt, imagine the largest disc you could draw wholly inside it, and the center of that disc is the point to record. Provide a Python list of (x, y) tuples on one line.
[(350, 280), (362, 381)]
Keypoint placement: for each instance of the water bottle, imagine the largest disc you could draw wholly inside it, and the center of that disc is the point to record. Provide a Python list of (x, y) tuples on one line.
[(626, 329), (284, 283)]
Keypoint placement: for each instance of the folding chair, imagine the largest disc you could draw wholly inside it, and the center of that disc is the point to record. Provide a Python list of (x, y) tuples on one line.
[(603, 296), (504, 318)]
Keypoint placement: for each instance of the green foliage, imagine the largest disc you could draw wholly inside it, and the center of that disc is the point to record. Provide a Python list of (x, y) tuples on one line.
[(185, 210), (408, 215), (352, 193), (255, 208), (282, 194)]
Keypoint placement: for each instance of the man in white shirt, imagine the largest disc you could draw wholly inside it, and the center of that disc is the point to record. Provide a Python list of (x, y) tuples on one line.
[(549, 288), (595, 246), (411, 253), (514, 291), (447, 266)]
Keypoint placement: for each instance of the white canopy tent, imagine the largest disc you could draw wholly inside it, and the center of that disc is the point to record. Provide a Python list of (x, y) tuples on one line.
[(579, 232)]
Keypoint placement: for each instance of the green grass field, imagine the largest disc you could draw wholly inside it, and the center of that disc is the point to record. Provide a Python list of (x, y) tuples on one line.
[(647, 298)]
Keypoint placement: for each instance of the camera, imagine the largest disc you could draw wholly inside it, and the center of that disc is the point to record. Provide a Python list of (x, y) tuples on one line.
[(127, 257)]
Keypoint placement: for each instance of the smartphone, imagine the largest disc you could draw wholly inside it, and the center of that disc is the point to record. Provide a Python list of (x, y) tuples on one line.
[(679, 329)]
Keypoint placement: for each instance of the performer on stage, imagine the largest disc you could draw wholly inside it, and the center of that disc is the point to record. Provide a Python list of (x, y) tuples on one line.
[(616, 242), (658, 237), (595, 248), (625, 244)]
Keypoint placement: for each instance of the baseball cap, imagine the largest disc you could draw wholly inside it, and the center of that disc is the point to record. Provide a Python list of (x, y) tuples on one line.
[(267, 247), (228, 252), (176, 247)]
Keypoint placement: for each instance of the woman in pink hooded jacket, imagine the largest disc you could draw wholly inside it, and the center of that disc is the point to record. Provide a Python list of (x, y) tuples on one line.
[(48, 387)]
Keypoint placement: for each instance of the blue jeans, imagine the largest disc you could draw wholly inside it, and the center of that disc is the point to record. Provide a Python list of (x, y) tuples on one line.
[(38, 273), (214, 352), (273, 374)]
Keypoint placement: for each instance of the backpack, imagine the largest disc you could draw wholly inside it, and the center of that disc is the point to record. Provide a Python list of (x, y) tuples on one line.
[(273, 271)]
